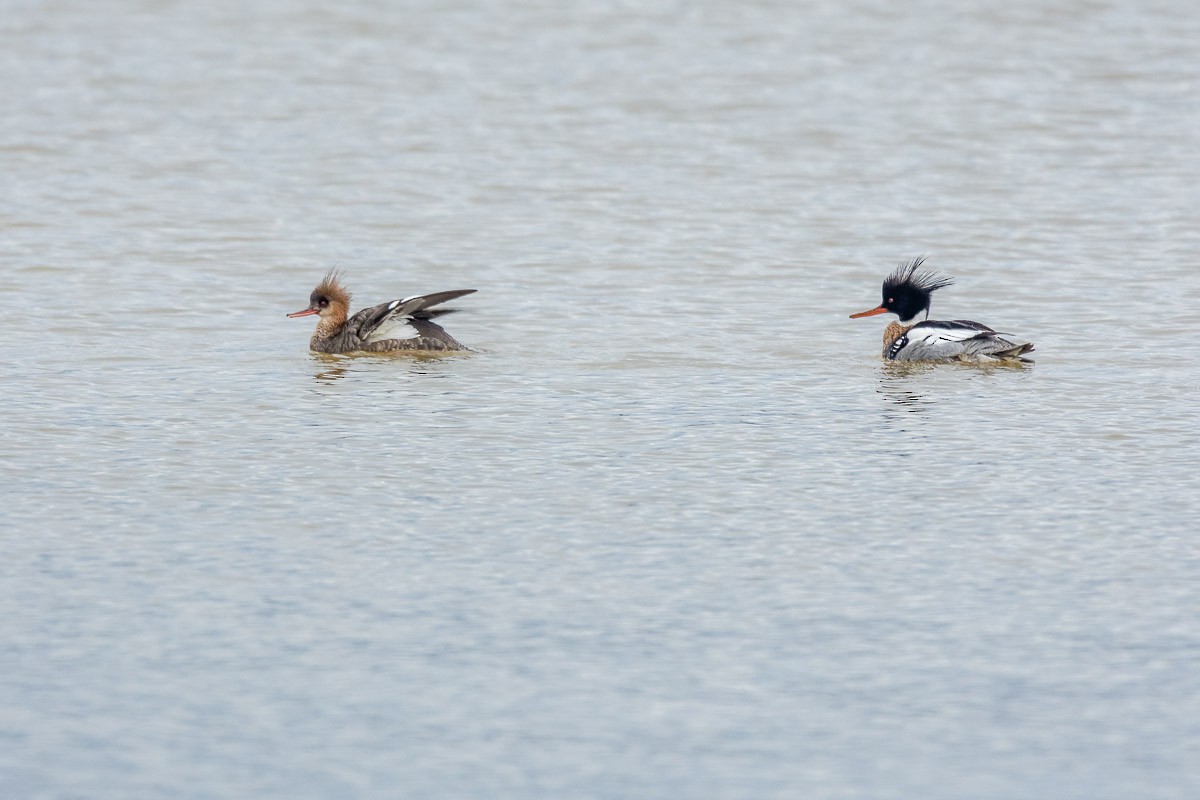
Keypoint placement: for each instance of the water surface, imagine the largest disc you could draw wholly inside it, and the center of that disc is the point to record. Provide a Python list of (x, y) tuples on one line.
[(673, 530)]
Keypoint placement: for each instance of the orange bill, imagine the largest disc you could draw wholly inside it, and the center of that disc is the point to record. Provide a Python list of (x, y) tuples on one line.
[(303, 313), (871, 313)]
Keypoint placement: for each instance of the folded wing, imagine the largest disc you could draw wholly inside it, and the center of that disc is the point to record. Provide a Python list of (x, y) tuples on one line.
[(936, 340)]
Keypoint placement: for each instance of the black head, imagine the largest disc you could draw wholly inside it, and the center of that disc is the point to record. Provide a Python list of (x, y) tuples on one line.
[(908, 291)]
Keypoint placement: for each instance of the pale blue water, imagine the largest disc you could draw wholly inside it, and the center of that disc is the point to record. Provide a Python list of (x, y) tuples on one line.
[(674, 530)]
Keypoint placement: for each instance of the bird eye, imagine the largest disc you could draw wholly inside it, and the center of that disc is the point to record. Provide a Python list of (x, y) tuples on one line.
[(891, 299), (323, 302)]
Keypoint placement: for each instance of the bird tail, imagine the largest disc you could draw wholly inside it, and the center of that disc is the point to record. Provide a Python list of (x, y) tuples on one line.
[(433, 313), (1015, 352)]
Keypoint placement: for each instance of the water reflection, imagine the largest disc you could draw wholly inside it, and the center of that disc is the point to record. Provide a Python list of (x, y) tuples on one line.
[(333, 367), (897, 382), (329, 376), (897, 379)]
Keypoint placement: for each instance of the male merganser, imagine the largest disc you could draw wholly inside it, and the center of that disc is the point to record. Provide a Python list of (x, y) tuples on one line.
[(389, 327), (909, 291)]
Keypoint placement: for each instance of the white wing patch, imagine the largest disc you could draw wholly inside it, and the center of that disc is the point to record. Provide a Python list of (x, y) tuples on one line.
[(931, 334), (392, 328)]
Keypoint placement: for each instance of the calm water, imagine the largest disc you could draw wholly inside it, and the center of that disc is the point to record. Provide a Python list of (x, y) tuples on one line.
[(674, 530)]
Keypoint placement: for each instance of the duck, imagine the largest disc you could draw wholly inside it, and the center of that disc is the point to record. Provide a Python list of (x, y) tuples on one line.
[(404, 325), (908, 293)]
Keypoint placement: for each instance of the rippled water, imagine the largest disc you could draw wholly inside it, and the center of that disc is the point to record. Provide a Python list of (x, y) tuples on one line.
[(673, 530)]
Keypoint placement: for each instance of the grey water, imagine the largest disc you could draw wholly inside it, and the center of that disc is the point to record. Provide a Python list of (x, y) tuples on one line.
[(673, 529)]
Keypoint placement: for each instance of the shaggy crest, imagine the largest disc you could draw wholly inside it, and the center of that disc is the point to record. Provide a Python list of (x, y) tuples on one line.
[(910, 274), (331, 289)]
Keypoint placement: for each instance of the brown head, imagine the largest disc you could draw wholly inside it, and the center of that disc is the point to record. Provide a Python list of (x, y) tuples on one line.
[(330, 300)]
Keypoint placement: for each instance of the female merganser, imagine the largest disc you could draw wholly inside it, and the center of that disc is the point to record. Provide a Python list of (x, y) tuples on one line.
[(386, 328), (909, 291)]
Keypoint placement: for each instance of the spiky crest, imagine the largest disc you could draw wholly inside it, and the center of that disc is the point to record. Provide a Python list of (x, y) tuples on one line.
[(910, 274), (331, 289)]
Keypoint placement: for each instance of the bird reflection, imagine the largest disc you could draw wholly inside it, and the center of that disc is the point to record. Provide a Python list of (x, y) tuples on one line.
[(333, 367), (904, 383), (330, 376), (896, 384)]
